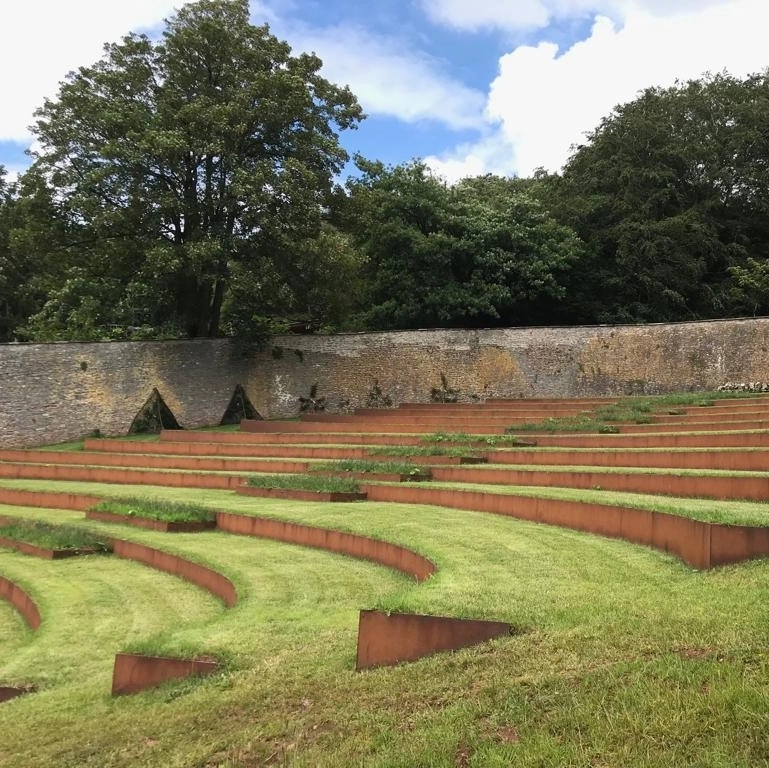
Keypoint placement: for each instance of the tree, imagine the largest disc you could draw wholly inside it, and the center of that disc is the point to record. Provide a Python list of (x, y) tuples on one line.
[(670, 194), (455, 256), (188, 162)]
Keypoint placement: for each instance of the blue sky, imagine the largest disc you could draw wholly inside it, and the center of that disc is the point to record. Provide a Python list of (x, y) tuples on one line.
[(471, 86)]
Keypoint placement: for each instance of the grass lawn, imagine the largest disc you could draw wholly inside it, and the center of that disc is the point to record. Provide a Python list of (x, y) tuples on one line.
[(626, 657)]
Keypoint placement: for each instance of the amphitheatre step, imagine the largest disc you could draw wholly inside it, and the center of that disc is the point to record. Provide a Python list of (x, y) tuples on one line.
[(282, 438), (356, 545), (119, 476), (658, 440), (748, 460), (299, 494), (691, 426), (147, 461), (700, 544), (696, 486), (404, 427), (304, 452), (21, 601)]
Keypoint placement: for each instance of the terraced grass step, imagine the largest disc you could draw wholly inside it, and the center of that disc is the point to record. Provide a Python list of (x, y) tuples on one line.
[(135, 457), (697, 486), (735, 459), (741, 439), (123, 476), (700, 544)]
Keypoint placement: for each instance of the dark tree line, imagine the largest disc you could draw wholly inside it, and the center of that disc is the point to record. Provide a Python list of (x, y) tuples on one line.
[(186, 187)]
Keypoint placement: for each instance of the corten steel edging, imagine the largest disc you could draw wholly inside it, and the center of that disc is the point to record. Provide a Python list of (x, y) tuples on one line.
[(697, 486), (299, 495), (389, 639), (119, 476), (730, 460), (21, 601), (135, 672), (166, 526), (205, 578), (47, 499), (246, 442), (151, 461), (355, 545), (405, 427), (382, 477), (726, 426), (43, 552), (8, 692), (697, 440), (426, 417), (699, 544)]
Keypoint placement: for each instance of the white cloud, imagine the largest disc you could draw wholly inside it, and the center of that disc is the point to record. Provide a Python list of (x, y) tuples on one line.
[(538, 14), (545, 102), (44, 40), (389, 79)]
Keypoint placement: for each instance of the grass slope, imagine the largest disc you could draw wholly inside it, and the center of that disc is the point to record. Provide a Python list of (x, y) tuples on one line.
[(627, 658)]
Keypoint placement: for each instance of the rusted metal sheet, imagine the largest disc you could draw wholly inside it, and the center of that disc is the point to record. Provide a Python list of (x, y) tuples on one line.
[(21, 601), (135, 672), (355, 545), (387, 639), (205, 578)]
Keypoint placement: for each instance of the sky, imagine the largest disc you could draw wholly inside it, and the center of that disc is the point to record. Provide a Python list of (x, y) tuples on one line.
[(469, 86)]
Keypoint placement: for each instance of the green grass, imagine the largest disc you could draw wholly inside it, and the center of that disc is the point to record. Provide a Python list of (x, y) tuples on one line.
[(627, 657), (156, 509), (463, 438), (50, 535), (632, 410), (371, 467), (317, 483), (419, 450)]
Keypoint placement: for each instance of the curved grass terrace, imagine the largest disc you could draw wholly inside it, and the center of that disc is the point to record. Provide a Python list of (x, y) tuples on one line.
[(623, 656)]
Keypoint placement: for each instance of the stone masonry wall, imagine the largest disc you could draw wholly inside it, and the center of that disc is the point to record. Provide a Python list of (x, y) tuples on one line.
[(56, 392)]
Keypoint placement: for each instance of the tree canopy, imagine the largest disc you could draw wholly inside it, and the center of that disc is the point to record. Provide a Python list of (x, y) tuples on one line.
[(670, 195), (454, 256), (189, 186), (181, 163)]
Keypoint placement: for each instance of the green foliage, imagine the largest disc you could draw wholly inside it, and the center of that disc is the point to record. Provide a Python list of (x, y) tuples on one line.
[(670, 195), (188, 168), (418, 450), (462, 438), (156, 509), (312, 403), (50, 536), (444, 393), (370, 466), (378, 399), (445, 256), (317, 483)]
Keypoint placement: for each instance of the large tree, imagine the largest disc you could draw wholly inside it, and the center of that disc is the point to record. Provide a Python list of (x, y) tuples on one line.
[(671, 195), (186, 163), (480, 253)]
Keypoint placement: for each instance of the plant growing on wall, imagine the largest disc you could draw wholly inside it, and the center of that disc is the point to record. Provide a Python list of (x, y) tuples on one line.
[(378, 399), (313, 403), (444, 393)]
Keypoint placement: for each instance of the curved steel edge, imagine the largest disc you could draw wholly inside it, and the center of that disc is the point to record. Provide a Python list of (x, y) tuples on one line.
[(392, 555), (135, 672), (205, 578), (21, 601), (700, 544)]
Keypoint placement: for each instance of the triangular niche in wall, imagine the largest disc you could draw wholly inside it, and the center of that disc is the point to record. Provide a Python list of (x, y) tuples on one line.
[(240, 408), (153, 416)]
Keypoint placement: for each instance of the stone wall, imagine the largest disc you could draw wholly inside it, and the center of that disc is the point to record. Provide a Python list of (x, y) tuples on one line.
[(55, 392)]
